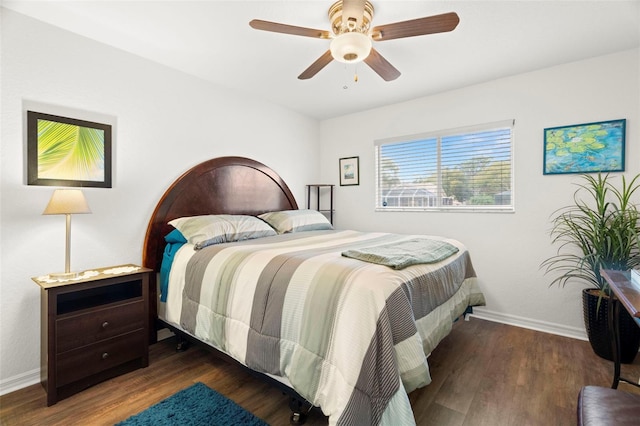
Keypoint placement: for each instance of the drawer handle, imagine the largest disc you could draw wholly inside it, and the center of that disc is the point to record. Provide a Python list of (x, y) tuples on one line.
[(105, 324), (105, 355)]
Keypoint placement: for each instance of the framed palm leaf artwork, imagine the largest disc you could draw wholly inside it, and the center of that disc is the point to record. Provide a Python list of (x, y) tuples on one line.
[(65, 151)]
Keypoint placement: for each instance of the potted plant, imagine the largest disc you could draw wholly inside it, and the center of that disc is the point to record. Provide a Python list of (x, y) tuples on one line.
[(600, 230)]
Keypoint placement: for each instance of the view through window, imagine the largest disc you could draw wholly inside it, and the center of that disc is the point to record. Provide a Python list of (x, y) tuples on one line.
[(466, 169)]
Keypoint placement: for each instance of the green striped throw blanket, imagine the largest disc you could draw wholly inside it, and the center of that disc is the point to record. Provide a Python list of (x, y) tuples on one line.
[(399, 255)]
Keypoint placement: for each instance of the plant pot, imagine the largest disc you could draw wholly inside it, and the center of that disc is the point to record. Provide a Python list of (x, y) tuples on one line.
[(596, 321)]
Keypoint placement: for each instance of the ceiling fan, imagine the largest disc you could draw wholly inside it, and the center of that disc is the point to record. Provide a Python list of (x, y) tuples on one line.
[(352, 36)]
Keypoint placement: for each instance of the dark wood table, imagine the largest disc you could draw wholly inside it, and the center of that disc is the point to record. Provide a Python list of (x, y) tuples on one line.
[(625, 293)]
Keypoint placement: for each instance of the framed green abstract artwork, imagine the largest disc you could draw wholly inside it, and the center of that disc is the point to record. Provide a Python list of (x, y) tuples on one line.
[(65, 151), (585, 148)]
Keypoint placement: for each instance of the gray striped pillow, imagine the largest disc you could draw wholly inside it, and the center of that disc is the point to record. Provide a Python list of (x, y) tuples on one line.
[(296, 221), (206, 230)]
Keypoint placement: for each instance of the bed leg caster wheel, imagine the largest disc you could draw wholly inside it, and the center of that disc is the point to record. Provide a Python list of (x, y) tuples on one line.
[(297, 419), (299, 409), (182, 345)]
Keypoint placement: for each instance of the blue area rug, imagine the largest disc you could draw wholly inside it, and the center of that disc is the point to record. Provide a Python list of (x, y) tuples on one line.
[(195, 405)]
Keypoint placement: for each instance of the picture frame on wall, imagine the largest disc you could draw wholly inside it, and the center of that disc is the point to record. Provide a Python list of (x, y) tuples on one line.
[(63, 151), (350, 171), (585, 148)]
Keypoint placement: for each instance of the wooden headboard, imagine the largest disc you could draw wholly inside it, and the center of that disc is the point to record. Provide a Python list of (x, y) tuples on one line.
[(231, 185)]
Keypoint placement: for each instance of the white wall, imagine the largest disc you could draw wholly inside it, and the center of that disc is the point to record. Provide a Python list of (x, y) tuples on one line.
[(164, 123), (506, 249)]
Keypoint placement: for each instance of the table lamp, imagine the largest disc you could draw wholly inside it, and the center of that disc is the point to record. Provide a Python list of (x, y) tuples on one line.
[(67, 202)]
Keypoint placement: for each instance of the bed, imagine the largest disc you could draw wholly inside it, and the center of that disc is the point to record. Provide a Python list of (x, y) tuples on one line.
[(299, 307)]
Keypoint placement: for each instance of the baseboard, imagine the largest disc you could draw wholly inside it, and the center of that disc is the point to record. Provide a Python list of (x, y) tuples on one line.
[(543, 326), (20, 381)]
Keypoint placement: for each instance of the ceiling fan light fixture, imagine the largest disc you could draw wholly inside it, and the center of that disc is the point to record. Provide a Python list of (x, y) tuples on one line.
[(350, 47)]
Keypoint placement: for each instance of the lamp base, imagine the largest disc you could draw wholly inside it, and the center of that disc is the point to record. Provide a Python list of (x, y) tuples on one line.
[(64, 275)]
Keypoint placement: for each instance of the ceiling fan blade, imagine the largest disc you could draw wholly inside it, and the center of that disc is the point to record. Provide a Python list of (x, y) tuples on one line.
[(353, 9), (288, 29), (416, 27), (381, 66), (315, 67)]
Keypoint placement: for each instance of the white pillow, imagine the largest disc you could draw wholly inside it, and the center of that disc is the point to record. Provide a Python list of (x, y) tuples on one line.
[(203, 231), (296, 220)]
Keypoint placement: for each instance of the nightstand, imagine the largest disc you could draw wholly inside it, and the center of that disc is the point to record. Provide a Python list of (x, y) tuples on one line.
[(93, 328)]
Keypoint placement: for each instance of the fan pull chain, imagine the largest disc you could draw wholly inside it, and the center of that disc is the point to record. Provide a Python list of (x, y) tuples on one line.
[(355, 75), (346, 77)]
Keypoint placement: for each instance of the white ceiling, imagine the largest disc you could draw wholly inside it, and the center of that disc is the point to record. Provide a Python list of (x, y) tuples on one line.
[(211, 39)]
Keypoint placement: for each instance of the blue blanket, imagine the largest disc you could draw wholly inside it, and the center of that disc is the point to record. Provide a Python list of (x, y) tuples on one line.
[(174, 240)]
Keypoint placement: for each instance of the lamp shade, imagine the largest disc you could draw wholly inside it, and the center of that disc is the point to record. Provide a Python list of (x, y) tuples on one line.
[(67, 201), (350, 47)]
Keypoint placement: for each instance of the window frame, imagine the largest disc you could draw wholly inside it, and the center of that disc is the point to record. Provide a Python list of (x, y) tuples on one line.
[(438, 135)]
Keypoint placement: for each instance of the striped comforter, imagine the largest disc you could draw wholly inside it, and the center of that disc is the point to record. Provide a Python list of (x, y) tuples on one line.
[(347, 335)]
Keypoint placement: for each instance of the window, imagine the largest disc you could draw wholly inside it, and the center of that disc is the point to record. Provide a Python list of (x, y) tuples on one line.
[(460, 169)]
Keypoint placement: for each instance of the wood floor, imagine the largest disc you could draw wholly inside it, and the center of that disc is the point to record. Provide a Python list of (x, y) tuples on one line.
[(483, 373)]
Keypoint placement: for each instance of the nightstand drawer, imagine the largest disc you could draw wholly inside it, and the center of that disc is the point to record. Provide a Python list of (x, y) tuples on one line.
[(84, 329), (89, 360)]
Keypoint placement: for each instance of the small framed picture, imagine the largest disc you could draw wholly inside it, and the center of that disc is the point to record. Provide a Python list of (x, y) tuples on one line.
[(63, 151), (585, 148), (349, 171)]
